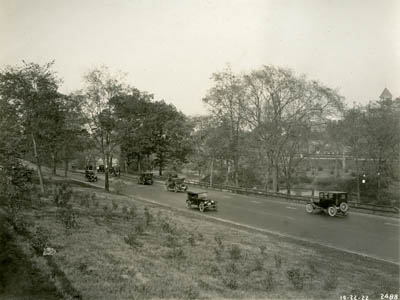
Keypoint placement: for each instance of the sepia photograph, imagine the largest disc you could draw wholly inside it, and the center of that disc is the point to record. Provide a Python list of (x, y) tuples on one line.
[(199, 149)]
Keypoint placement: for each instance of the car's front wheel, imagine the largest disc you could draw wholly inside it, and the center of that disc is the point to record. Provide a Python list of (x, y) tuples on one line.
[(332, 211), (309, 208), (201, 207)]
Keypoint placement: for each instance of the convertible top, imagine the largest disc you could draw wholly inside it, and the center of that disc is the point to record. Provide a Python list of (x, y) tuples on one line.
[(196, 192)]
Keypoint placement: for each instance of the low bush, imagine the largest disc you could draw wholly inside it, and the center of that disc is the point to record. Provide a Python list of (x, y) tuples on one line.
[(119, 186), (148, 217), (235, 252), (176, 253), (40, 239), (132, 240), (278, 261), (296, 278)]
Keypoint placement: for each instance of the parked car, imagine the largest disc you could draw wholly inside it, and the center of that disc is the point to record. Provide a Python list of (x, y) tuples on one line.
[(90, 175), (331, 202), (145, 178), (176, 185), (201, 200)]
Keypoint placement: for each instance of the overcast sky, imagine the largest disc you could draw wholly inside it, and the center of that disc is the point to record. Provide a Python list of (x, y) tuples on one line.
[(170, 48)]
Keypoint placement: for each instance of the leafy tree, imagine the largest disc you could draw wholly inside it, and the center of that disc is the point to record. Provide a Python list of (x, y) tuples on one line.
[(278, 104), (31, 92), (101, 87), (169, 134), (226, 101), (132, 110)]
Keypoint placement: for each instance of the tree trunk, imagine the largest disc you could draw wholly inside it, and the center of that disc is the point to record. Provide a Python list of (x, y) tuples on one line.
[(228, 170), (106, 170), (55, 163), (275, 178), (38, 164), (211, 171), (236, 172), (358, 179), (266, 186), (66, 167)]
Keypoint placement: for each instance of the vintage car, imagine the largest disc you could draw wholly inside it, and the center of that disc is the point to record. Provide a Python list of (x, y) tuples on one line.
[(201, 200), (331, 202), (145, 178), (176, 185), (90, 175)]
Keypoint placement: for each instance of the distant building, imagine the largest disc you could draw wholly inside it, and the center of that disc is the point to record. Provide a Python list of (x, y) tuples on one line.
[(386, 95)]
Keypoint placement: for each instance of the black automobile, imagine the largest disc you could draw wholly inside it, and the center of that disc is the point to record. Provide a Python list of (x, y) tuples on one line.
[(90, 175), (201, 200), (331, 202), (176, 185), (145, 178)]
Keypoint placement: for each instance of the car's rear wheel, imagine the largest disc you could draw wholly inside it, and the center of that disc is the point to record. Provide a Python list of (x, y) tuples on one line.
[(332, 211), (201, 207), (309, 208), (344, 207)]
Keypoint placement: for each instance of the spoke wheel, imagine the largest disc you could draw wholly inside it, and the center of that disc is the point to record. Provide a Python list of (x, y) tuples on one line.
[(344, 207), (201, 207), (309, 208), (332, 210)]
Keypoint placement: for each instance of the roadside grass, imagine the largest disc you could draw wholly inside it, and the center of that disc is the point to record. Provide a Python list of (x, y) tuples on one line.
[(119, 248)]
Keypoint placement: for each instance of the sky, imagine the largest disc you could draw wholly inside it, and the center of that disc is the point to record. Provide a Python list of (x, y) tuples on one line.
[(171, 48)]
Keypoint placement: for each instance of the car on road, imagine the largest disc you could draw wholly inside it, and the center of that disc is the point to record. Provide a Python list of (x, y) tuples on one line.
[(90, 175), (201, 200), (332, 202), (176, 185), (145, 178)]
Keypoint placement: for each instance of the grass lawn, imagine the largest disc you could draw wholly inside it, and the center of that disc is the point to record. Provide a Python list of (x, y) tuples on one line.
[(114, 247)]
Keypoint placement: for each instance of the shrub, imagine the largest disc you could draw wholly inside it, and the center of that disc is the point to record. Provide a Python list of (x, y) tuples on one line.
[(192, 240), (200, 236), (296, 278), (132, 240), (331, 281), (231, 282), (119, 186), (191, 292), (176, 253), (166, 227), (268, 280), (68, 217), (235, 252), (278, 261), (218, 240), (139, 228), (62, 194), (114, 205), (40, 239), (218, 254), (258, 264), (148, 217), (171, 241)]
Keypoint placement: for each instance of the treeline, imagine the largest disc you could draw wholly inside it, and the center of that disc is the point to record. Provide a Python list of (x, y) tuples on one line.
[(105, 119), (262, 129), (266, 126)]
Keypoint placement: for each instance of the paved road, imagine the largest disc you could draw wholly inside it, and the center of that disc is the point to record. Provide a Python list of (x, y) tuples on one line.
[(369, 235)]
